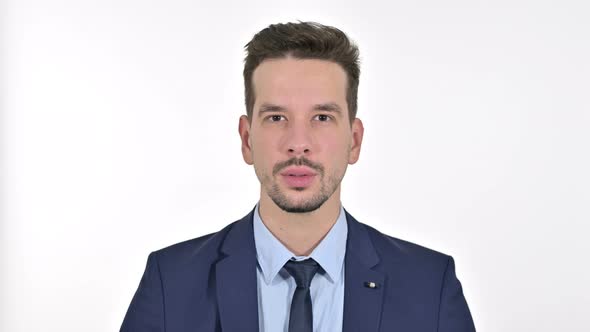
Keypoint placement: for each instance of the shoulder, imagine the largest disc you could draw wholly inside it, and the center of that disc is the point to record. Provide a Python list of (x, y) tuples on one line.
[(414, 257), (420, 280), (197, 252), (389, 243)]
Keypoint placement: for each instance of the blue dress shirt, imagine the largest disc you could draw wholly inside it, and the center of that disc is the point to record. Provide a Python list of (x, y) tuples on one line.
[(276, 286)]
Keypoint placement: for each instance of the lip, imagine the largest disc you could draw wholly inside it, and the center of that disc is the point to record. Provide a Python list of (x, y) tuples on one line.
[(298, 176), (302, 181), (298, 171)]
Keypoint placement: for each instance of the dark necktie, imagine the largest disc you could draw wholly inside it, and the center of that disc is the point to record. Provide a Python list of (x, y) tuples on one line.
[(301, 316)]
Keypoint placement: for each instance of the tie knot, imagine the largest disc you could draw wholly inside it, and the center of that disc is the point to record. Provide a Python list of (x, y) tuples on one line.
[(302, 271)]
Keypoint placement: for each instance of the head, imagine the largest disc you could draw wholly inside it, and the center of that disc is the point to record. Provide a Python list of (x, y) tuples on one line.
[(304, 40), (301, 131)]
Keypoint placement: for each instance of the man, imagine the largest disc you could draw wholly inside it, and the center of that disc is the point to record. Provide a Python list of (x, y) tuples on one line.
[(298, 261)]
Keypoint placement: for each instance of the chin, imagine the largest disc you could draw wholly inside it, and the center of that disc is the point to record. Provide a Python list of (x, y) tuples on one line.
[(300, 208), (299, 204)]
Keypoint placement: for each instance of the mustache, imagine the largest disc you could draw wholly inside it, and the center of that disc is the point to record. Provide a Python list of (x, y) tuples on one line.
[(298, 162)]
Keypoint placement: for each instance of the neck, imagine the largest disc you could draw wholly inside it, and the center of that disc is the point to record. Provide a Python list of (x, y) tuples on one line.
[(300, 232)]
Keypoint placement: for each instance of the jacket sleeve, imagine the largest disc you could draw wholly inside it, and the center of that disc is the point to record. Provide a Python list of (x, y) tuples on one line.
[(146, 311), (454, 315)]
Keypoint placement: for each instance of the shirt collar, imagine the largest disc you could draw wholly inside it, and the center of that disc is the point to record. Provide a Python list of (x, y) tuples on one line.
[(329, 253)]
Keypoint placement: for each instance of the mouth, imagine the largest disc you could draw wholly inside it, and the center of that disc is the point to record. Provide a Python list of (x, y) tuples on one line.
[(298, 177), (298, 172)]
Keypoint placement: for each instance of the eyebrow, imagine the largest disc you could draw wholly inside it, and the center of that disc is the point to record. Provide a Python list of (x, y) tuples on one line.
[(267, 108), (327, 107)]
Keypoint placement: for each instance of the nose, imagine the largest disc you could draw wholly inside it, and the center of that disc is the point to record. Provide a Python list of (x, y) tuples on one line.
[(298, 151), (299, 141)]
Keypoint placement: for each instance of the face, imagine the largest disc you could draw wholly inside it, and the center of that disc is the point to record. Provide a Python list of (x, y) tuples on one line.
[(300, 139)]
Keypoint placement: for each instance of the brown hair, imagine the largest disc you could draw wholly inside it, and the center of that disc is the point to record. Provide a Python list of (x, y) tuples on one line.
[(303, 40)]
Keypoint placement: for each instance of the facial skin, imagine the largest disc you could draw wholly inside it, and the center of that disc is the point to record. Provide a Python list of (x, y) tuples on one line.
[(300, 118)]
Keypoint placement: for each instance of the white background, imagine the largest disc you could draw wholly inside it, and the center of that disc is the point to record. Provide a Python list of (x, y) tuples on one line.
[(119, 137)]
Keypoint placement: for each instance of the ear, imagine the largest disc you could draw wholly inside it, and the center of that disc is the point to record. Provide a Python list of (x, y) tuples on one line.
[(357, 140), (244, 130)]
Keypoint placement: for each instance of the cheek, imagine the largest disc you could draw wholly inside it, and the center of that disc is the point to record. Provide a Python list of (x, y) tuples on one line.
[(260, 143), (263, 152), (336, 146)]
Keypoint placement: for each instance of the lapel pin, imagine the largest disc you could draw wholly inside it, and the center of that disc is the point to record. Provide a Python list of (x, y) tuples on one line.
[(370, 284)]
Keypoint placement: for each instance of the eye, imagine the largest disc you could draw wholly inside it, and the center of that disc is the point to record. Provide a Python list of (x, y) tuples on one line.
[(274, 118), (323, 117)]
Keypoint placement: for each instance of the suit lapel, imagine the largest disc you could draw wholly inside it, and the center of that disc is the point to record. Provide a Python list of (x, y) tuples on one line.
[(362, 303), (236, 279)]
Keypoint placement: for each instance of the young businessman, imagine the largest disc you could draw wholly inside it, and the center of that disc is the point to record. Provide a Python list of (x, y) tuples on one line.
[(298, 261)]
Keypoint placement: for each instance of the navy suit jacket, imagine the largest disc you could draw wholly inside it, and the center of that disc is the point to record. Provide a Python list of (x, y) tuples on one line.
[(209, 284)]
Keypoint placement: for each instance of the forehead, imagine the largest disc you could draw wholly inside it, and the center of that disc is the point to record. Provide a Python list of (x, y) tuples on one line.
[(299, 81)]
